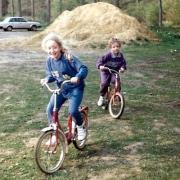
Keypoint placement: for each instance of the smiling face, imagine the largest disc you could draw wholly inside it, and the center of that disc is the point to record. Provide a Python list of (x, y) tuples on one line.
[(115, 48), (54, 49)]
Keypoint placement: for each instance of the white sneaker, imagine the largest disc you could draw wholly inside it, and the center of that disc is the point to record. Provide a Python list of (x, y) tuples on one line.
[(81, 133), (100, 101), (51, 141)]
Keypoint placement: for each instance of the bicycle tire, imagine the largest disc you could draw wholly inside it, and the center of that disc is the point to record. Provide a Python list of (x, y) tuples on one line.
[(116, 105), (50, 158), (80, 145)]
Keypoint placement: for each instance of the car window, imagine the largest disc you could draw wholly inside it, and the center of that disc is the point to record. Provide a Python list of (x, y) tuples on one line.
[(16, 20), (12, 20), (22, 20)]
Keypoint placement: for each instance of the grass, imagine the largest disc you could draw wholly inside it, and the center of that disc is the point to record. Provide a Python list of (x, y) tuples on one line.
[(144, 144)]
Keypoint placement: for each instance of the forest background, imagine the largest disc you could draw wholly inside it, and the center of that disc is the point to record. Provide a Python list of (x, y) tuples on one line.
[(150, 12)]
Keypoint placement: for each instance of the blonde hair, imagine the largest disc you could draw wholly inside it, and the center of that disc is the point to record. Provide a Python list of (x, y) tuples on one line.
[(54, 37), (112, 41)]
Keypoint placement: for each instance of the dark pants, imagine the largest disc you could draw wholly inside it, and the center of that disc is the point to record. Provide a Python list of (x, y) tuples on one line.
[(106, 79)]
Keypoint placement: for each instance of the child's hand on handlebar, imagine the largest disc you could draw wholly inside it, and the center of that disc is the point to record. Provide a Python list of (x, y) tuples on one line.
[(102, 68), (121, 70), (75, 80), (43, 81)]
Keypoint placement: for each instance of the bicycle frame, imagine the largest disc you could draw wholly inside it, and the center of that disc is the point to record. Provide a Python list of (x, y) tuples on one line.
[(116, 88), (70, 133), (114, 101), (55, 125)]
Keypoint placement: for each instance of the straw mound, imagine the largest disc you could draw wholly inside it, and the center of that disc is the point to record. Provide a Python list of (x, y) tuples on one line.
[(94, 24)]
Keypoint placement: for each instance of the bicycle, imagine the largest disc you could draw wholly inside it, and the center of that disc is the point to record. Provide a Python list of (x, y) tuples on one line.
[(114, 99), (50, 158)]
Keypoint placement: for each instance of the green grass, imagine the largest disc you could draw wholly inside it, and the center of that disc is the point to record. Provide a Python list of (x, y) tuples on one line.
[(144, 144)]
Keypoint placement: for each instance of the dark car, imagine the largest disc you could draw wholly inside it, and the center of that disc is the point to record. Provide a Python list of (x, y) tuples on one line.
[(11, 23)]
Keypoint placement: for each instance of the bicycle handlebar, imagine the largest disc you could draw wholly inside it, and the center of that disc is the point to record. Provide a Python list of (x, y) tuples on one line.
[(58, 89), (112, 70)]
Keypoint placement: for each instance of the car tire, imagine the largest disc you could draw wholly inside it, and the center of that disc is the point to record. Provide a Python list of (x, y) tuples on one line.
[(34, 28), (9, 28)]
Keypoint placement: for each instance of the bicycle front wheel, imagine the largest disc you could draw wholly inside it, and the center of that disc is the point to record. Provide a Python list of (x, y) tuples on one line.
[(49, 155), (116, 105)]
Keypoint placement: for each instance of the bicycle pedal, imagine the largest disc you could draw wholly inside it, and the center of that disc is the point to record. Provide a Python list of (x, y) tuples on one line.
[(51, 152)]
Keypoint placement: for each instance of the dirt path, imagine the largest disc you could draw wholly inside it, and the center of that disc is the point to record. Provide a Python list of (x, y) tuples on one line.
[(4, 35)]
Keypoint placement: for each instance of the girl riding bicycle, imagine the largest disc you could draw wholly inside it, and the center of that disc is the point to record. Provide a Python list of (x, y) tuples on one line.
[(113, 59), (60, 65)]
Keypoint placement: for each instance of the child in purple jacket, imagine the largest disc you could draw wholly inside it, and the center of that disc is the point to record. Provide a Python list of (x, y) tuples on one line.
[(113, 59)]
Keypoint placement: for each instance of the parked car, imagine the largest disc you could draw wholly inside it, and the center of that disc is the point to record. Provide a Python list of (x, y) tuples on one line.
[(11, 23)]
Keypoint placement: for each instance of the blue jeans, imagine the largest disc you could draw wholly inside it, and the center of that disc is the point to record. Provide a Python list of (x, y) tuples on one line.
[(75, 97)]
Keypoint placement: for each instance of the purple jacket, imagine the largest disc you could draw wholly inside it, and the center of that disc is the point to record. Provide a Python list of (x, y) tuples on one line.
[(112, 61)]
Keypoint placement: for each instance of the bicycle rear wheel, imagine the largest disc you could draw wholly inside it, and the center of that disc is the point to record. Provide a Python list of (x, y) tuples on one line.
[(116, 105), (49, 158), (81, 144)]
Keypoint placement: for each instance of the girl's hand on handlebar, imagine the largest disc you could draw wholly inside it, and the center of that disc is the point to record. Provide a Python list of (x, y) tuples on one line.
[(121, 70), (102, 68), (43, 81), (75, 80)]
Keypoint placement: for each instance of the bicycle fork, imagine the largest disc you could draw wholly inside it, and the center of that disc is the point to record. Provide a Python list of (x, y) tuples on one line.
[(71, 129)]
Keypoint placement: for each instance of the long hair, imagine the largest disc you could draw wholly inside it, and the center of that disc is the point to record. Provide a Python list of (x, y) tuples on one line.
[(53, 37)]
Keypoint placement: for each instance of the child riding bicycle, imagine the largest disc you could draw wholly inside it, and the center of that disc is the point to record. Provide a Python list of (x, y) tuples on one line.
[(113, 59), (60, 65)]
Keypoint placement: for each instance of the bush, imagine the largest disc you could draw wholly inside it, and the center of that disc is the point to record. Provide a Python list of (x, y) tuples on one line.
[(151, 14), (137, 11), (172, 12), (145, 12)]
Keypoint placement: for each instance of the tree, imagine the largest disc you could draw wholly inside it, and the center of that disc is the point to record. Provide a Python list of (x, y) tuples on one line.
[(19, 8), (117, 3), (60, 6), (48, 10), (12, 7), (1, 9), (160, 13), (32, 9)]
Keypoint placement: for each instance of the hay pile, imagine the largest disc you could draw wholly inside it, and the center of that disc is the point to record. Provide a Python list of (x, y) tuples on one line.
[(93, 25)]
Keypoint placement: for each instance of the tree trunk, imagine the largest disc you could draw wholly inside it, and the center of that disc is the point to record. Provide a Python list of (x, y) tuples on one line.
[(32, 9), (19, 8), (60, 6), (160, 13), (12, 7), (1, 9), (48, 10), (4, 7), (116, 3)]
